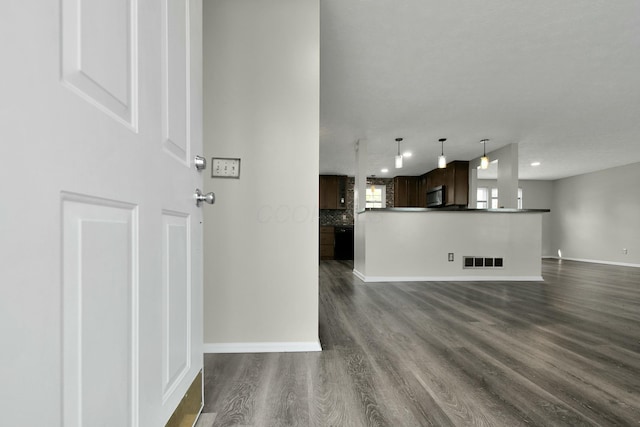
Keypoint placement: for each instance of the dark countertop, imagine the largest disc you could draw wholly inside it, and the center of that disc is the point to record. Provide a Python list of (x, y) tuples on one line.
[(457, 209)]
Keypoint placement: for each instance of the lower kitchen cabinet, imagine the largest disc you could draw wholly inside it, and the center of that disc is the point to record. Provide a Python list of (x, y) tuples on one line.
[(336, 242), (327, 242)]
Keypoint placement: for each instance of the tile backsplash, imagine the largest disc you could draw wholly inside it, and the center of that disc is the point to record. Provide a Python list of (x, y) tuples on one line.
[(336, 217), (345, 216)]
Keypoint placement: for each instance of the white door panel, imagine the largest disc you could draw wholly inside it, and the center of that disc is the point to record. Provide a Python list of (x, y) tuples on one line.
[(100, 55), (176, 68), (176, 299), (100, 285), (101, 281)]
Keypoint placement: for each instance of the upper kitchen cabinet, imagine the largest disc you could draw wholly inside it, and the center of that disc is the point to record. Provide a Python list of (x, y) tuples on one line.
[(455, 178), (333, 192), (422, 190), (405, 191), (457, 182)]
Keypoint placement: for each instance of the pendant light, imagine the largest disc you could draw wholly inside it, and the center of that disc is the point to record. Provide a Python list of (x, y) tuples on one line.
[(442, 160), (399, 156), (484, 160)]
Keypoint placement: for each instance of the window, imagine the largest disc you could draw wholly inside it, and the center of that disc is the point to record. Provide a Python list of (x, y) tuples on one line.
[(482, 200), (376, 196), (494, 198)]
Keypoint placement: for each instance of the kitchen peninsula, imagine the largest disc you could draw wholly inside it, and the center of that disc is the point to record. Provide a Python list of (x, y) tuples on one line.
[(421, 244)]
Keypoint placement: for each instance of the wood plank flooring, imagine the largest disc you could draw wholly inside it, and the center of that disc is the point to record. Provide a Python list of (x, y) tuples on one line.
[(563, 352)]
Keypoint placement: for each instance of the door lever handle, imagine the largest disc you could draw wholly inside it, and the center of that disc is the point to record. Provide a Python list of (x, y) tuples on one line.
[(207, 198)]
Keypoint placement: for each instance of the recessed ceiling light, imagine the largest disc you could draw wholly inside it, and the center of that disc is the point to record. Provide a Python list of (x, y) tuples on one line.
[(535, 164), (407, 154), (385, 170)]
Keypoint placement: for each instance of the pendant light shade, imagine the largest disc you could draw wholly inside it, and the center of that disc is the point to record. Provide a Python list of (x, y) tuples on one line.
[(399, 161), (484, 160), (399, 156), (442, 159)]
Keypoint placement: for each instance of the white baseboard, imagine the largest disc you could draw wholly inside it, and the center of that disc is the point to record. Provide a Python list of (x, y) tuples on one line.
[(378, 279), (262, 347), (597, 261), (359, 275)]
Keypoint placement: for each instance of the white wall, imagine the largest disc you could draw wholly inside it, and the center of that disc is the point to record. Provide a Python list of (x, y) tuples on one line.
[(535, 195), (261, 79), (507, 182), (413, 246), (539, 195), (507, 175), (596, 215), (359, 203)]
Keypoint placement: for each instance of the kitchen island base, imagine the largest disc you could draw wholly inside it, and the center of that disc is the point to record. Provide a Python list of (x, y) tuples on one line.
[(399, 245)]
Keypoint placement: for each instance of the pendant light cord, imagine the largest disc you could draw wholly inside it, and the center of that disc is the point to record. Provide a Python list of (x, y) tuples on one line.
[(442, 140)]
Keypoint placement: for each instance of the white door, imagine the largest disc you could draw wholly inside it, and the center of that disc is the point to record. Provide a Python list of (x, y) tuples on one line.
[(101, 260)]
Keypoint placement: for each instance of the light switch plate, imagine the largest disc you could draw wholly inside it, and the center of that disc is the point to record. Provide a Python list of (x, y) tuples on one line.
[(222, 167)]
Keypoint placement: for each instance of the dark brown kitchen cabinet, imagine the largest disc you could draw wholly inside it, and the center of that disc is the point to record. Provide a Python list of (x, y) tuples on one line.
[(455, 178), (405, 191), (327, 242), (333, 192), (457, 182), (422, 191)]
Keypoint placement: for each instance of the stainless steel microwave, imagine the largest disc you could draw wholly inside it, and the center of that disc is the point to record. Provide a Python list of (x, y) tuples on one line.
[(436, 197)]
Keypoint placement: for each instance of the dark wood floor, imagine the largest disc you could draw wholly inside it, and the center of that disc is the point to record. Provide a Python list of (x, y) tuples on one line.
[(565, 351)]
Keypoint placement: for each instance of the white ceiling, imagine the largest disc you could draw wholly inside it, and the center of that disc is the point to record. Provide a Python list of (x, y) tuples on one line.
[(561, 78)]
